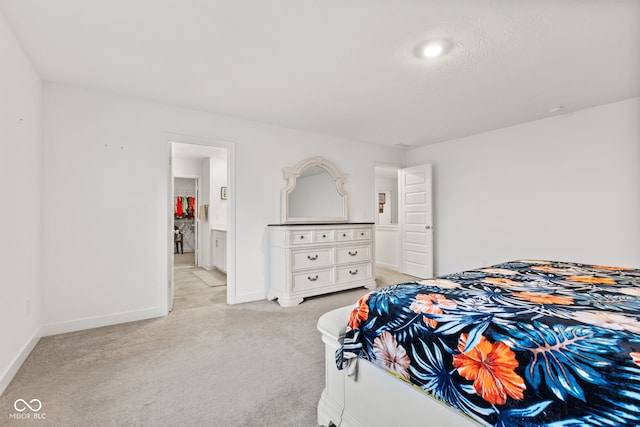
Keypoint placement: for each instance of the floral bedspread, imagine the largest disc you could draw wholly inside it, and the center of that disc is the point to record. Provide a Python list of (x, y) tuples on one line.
[(524, 343)]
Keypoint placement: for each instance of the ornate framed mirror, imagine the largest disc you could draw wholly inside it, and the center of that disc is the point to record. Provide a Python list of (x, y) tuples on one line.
[(314, 193)]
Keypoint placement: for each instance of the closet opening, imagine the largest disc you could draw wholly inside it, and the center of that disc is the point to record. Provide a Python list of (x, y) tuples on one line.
[(185, 224), (200, 219)]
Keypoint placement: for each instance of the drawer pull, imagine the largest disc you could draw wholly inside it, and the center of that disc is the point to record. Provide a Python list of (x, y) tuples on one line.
[(353, 273), (312, 279), (301, 237), (324, 236), (362, 234), (312, 258), (353, 253)]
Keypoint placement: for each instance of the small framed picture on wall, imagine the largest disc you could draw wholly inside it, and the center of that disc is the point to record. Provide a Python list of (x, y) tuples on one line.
[(223, 193)]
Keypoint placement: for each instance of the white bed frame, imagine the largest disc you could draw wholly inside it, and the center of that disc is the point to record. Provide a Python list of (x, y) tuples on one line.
[(372, 397)]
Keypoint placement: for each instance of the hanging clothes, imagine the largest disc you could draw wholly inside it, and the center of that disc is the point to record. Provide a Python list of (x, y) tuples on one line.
[(179, 207), (192, 207), (185, 207)]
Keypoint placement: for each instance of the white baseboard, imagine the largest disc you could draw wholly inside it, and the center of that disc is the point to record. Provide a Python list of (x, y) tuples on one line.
[(99, 321), (17, 362), (213, 267), (388, 266), (254, 296)]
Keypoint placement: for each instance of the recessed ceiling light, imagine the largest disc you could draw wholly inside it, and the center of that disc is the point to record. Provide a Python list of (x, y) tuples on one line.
[(430, 49)]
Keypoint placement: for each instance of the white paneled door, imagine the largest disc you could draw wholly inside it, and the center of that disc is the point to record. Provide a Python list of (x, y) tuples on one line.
[(416, 220)]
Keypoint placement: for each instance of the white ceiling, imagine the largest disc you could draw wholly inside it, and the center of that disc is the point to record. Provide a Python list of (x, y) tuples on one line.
[(343, 67)]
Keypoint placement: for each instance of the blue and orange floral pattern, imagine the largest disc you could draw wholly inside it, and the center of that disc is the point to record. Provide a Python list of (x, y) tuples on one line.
[(524, 343)]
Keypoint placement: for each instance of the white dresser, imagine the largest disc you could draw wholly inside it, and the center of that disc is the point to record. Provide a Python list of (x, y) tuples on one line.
[(308, 259)]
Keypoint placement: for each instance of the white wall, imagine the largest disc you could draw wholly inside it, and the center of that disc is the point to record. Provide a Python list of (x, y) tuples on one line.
[(20, 216), (103, 152), (187, 168), (204, 229), (563, 188), (218, 206), (388, 246), (184, 187)]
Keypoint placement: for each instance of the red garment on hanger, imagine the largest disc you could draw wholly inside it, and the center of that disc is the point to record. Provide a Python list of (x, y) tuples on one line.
[(179, 207), (192, 207)]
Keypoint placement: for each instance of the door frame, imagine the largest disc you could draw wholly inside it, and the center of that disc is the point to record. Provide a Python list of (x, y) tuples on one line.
[(166, 287)]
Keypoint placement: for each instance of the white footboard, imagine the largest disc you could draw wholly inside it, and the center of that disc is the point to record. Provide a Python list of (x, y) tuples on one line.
[(373, 397), (331, 406)]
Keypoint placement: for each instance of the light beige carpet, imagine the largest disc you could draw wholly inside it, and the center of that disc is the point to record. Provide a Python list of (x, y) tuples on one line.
[(252, 364), (389, 277)]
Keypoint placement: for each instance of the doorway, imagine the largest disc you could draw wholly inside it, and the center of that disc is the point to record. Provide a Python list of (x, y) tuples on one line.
[(404, 224), (201, 261), (387, 229)]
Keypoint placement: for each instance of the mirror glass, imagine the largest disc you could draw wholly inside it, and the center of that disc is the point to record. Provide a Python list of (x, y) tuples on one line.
[(314, 193)]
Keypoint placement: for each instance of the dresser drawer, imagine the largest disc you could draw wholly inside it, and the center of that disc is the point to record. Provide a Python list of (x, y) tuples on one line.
[(362, 234), (354, 253), (300, 237), (344, 235), (354, 272), (312, 258), (312, 279), (320, 236)]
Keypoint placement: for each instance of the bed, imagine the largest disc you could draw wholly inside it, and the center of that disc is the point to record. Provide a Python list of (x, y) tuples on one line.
[(523, 343)]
